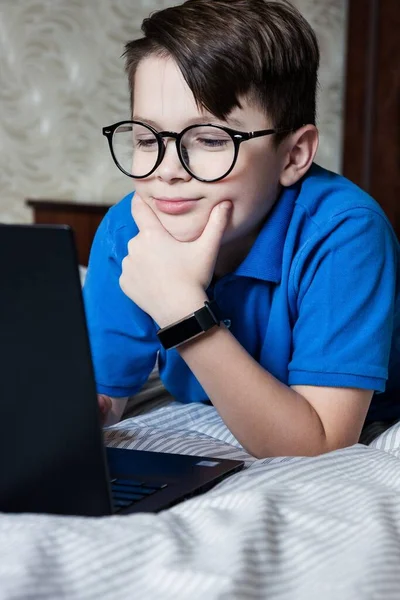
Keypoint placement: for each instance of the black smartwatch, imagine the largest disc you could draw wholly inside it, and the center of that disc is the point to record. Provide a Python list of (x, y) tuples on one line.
[(191, 326)]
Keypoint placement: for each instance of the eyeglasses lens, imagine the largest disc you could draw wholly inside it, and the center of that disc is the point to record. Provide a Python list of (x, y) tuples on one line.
[(206, 151)]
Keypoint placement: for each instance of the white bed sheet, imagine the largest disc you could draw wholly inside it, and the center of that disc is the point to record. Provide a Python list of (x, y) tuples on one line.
[(290, 528)]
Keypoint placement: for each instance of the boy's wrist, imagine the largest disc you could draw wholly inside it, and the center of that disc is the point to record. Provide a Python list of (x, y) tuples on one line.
[(191, 326), (183, 307)]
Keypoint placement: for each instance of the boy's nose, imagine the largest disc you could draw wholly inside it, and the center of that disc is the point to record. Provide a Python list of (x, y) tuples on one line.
[(171, 167)]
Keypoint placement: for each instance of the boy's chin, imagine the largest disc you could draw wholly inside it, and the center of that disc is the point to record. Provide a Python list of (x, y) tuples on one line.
[(184, 233), (185, 237)]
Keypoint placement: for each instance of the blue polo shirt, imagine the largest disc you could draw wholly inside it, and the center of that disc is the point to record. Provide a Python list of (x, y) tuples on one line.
[(315, 302)]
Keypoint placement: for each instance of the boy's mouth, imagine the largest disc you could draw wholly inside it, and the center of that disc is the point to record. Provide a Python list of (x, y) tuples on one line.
[(175, 206)]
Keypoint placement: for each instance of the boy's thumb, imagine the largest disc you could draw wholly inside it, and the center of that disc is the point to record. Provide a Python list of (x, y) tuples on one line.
[(217, 223)]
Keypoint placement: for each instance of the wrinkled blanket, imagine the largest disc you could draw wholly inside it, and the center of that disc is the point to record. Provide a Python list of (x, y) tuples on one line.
[(323, 528)]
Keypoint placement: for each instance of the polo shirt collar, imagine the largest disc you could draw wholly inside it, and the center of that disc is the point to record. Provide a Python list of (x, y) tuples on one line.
[(264, 261)]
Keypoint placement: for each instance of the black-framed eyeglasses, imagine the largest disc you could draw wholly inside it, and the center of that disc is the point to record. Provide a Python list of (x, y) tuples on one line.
[(207, 152)]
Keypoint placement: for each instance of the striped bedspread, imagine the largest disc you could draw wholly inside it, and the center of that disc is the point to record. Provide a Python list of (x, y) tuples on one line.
[(323, 528)]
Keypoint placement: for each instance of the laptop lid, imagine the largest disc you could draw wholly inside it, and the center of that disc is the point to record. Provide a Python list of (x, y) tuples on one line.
[(48, 448)]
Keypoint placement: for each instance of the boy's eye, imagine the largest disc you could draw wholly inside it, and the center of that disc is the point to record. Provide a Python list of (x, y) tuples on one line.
[(212, 142), (148, 143), (206, 137)]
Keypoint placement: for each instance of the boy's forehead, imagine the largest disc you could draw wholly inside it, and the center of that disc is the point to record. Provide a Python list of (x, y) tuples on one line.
[(161, 95), (159, 87)]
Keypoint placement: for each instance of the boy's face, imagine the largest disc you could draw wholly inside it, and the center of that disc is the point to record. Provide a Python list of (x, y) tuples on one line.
[(163, 99)]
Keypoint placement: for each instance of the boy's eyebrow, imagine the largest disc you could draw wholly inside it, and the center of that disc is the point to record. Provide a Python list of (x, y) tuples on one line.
[(194, 121)]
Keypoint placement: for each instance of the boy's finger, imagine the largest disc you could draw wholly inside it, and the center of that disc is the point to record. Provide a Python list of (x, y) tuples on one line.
[(105, 403), (216, 226), (143, 215)]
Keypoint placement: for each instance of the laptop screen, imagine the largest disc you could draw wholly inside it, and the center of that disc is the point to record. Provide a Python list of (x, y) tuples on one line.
[(51, 439)]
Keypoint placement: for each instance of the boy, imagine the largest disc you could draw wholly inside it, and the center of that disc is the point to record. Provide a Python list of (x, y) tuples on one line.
[(300, 266)]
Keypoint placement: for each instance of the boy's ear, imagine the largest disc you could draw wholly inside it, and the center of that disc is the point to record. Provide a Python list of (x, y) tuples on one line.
[(299, 150)]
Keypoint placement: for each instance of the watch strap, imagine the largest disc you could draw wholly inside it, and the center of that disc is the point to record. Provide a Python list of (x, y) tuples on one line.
[(191, 326)]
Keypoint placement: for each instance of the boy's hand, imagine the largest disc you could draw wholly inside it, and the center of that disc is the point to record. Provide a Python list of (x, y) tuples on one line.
[(105, 405), (167, 278)]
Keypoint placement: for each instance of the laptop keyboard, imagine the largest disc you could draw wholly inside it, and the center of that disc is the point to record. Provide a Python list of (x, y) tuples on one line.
[(126, 492)]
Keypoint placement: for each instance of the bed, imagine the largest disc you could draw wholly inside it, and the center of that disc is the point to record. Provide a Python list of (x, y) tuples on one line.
[(323, 528)]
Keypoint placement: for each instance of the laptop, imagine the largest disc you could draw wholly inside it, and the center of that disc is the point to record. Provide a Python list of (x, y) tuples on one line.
[(52, 453)]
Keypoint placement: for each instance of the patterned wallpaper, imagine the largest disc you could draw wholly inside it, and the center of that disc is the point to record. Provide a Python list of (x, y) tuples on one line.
[(62, 79)]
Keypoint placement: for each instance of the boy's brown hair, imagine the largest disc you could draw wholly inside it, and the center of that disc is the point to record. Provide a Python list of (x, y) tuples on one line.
[(230, 49)]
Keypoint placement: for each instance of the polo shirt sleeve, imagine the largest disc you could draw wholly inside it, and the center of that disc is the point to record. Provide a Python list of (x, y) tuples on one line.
[(345, 286), (123, 337)]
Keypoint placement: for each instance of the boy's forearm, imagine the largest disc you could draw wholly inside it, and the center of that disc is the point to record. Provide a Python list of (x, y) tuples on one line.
[(266, 416)]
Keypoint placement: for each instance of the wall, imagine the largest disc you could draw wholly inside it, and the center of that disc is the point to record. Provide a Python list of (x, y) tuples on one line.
[(62, 80)]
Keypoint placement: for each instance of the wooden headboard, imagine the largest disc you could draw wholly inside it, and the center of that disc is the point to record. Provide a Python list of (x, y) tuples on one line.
[(83, 218)]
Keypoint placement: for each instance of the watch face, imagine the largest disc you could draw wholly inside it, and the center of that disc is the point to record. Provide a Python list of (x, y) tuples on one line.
[(180, 332)]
